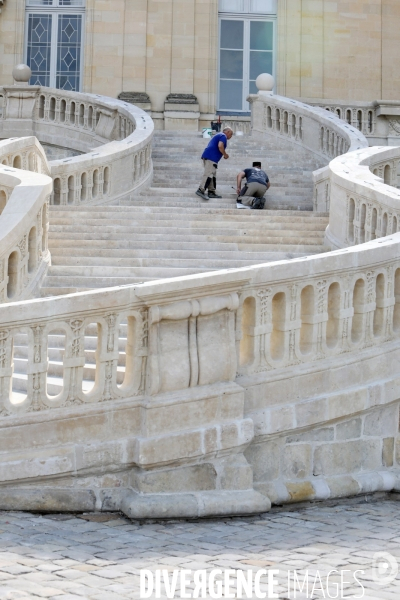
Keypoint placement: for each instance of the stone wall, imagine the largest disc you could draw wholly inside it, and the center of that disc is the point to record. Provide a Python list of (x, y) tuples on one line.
[(171, 46)]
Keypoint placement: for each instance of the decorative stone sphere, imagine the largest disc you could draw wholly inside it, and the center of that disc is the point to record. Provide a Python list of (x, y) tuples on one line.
[(21, 73), (265, 83)]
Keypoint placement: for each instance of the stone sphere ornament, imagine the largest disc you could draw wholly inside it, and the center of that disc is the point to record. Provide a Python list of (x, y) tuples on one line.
[(22, 73), (265, 84)]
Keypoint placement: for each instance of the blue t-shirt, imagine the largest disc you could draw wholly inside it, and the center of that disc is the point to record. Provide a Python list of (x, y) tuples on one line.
[(212, 151)]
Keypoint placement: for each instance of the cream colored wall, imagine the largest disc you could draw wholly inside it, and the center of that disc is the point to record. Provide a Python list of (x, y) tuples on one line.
[(153, 46), (12, 24), (345, 50), (326, 49)]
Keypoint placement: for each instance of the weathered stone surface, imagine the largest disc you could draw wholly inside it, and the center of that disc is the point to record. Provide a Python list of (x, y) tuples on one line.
[(47, 499), (349, 429), (388, 452), (235, 473), (382, 422), (265, 460), (347, 457), (327, 434), (343, 486), (296, 461), (185, 479), (299, 492)]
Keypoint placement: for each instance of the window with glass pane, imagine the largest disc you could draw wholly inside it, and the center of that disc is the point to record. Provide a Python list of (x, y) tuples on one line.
[(261, 51), (39, 48), (231, 65), (54, 42), (246, 50), (69, 52)]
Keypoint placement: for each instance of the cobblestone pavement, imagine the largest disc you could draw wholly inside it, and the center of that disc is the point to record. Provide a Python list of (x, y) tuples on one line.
[(97, 556)]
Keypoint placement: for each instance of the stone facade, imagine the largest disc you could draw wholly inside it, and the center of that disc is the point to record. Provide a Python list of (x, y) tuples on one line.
[(171, 46)]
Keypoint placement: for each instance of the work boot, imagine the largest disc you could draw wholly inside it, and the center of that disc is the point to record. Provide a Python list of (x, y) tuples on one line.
[(213, 195), (202, 194)]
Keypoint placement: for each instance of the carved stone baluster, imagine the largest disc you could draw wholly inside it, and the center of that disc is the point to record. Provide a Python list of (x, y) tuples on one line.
[(390, 301), (75, 361), (321, 310), (144, 350), (23, 265), (378, 230), (3, 282), (110, 357), (264, 327), (57, 111), (370, 308), (101, 182), (46, 107), (37, 370), (347, 313), (5, 370), (368, 223), (64, 190), (357, 222), (89, 185)]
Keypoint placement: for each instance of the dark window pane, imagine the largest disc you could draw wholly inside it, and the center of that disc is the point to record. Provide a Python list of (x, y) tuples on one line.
[(260, 62), (231, 64), (231, 95), (232, 34), (261, 35)]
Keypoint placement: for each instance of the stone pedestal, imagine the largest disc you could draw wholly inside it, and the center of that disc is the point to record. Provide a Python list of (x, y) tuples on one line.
[(139, 99), (19, 101), (181, 111)]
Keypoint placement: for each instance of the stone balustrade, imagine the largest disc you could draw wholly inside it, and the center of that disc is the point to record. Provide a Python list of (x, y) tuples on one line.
[(379, 120), (199, 351), (85, 123), (222, 392), (311, 127), (274, 317), (364, 202), (25, 189)]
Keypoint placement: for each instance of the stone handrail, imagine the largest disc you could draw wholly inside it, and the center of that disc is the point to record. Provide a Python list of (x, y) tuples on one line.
[(271, 317), (379, 120), (24, 153), (84, 122), (24, 197), (311, 127), (362, 206), (271, 314)]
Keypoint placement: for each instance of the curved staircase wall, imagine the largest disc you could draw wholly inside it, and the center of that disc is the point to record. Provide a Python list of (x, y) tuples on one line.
[(241, 387), (24, 198), (114, 136)]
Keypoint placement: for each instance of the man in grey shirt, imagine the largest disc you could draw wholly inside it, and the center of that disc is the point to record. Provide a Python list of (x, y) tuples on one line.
[(257, 183)]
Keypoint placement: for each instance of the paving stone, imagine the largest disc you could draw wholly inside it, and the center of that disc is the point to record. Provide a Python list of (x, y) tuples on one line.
[(315, 538)]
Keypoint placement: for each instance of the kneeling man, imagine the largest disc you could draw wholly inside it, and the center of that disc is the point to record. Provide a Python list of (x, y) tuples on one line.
[(257, 183)]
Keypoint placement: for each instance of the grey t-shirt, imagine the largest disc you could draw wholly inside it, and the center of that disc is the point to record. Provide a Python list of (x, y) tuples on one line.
[(254, 175)]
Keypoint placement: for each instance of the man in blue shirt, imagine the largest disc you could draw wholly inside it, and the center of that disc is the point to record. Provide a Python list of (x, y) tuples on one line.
[(257, 183), (211, 157)]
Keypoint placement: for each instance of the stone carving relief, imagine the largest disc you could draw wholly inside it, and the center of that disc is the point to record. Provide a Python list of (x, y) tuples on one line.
[(394, 127)]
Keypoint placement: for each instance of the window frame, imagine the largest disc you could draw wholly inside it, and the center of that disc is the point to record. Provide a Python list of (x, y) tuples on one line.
[(56, 10), (246, 18)]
